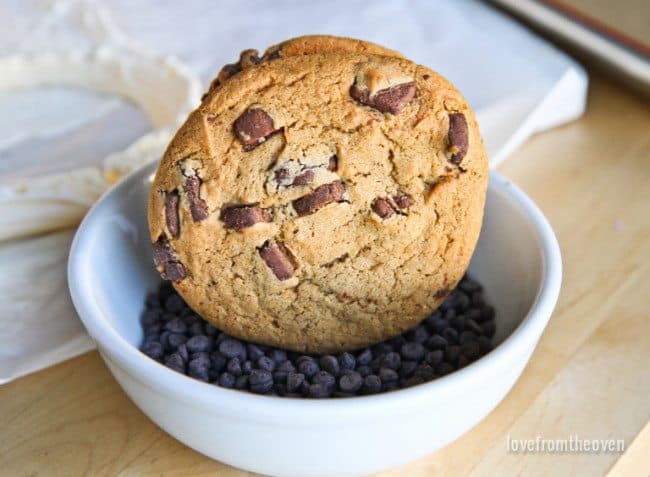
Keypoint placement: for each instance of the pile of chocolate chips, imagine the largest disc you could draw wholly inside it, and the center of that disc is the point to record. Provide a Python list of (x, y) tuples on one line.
[(456, 334)]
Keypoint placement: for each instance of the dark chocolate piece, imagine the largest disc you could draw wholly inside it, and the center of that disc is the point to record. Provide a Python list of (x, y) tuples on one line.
[(319, 198), (239, 217), (389, 100)]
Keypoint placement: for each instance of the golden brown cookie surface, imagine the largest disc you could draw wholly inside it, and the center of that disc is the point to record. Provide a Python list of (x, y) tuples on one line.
[(321, 202), (302, 45)]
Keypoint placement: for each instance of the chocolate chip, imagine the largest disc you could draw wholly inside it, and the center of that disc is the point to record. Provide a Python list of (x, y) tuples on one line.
[(176, 325), (347, 360), (391, 360), (333, 163), (286, 367), (324, 378), (266, 364), (218, 361), (308, 367), (450, 334), (435, 357), (294, 381), (198, 206), (364, 357), (383, 207), (171, 213), (226, 380), (241, 382), (166, 262), (253, 127), (260, 381), (364, 370), (351, 382), (232, 348), (458, 137), (407, 368), (234, 367), (239, 217), (277, 355), (467, 336), (319, 198), (278, 259), (471, 349), (305, 178), (387, 374), (452, 353), (175, 362), (425, 371), (389, 100), (402, 201), (198, 370), (330, 364), (254, 352), (371, 384), (198, 343), (153, 349), (412, 351)]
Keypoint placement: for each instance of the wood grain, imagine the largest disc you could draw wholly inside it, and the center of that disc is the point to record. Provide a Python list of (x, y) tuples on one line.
[(589, 375)]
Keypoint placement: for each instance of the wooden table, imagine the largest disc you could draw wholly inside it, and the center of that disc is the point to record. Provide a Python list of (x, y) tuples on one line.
[(590, 375)]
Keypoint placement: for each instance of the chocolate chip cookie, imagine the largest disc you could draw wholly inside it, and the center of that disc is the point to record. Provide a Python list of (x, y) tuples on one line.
[(302, 45), (321, 202)]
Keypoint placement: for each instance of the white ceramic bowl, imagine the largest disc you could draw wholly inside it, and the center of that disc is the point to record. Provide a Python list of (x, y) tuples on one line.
[(110, 271)]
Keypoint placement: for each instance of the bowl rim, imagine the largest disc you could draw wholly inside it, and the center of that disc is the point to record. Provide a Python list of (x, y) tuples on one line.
[(215, 398)]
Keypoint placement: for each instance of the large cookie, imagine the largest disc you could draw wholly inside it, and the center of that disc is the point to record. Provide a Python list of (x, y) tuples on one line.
[(321, 202), (301, 45)]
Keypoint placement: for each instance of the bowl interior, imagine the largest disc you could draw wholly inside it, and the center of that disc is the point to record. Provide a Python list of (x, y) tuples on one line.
[(118, 260)]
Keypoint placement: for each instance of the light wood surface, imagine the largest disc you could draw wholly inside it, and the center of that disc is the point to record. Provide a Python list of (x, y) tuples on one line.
[(590, 375)]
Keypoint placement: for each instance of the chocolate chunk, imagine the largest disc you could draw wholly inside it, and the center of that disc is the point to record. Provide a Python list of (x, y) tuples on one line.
[(319, 198), (442, 293), (171, 213), (198, 206), (390, 100), (383, 207), (248, 58), (333, 163), (253, 127), (458, 137), (274, 56), (402, 201), (240, 217), (303, 179), (230, 70), (166, 262), (278, 259), (281, 175)]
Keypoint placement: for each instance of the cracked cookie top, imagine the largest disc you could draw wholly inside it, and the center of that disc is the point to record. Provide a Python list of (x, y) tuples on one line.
[(321, 202)]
